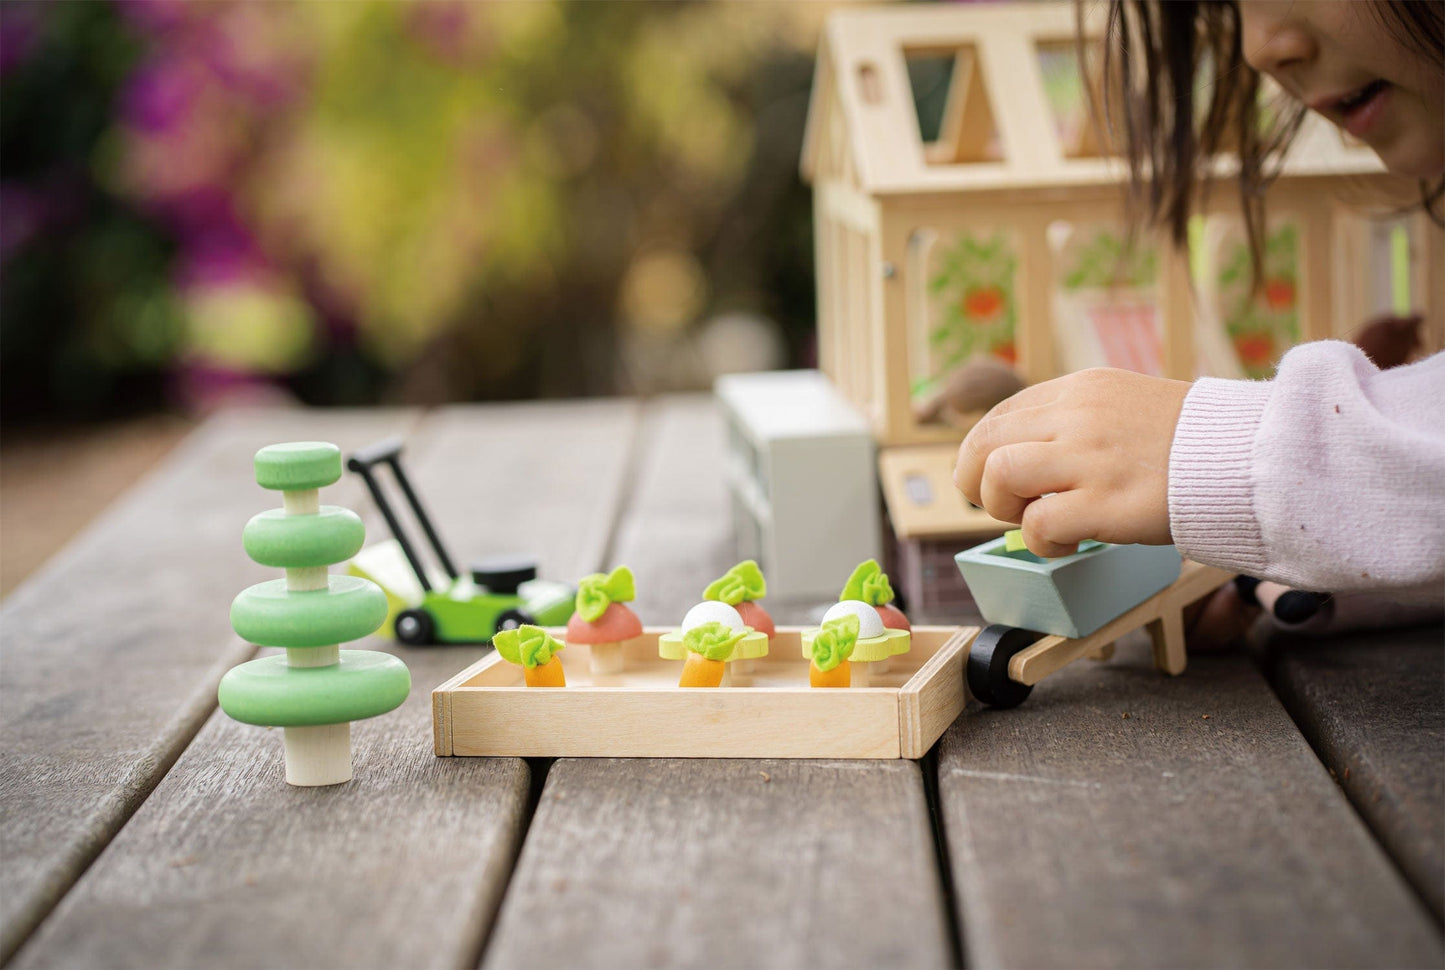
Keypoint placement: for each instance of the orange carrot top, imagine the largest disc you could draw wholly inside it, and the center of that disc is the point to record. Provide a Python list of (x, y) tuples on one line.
[(713, 641), (710, 646)]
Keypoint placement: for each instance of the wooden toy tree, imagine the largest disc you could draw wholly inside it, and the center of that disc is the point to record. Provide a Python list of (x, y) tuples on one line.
[(315, 690)]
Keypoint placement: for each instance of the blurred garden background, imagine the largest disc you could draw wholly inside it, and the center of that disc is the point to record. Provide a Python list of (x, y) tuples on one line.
[(353, 203)]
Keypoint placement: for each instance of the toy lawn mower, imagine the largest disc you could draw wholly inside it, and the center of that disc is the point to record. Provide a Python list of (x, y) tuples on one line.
[(501, 593)]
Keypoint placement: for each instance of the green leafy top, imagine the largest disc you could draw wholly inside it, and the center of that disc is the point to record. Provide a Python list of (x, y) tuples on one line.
[(972, 306), (530, 646), (1105, 261), (835, 642), (714, 640), (597, 592), (868, 583), (743, 582)]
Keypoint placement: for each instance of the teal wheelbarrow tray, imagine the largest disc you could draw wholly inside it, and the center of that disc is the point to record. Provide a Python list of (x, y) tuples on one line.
[(1045, 613)]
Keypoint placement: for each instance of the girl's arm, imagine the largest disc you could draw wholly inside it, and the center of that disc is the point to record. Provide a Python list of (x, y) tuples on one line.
[(1330, 477), (1268, 479)]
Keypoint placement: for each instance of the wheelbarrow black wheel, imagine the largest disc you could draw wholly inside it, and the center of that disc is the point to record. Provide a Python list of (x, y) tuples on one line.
[(414, 627), (988, 660)]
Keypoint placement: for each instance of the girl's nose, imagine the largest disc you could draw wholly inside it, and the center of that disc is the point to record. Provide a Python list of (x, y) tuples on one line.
[(1272, 41)]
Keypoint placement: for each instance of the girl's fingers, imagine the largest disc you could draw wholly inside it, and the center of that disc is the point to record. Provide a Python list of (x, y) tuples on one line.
[(1033, 396), (1015, 475), (993, 432), (1054, 525)]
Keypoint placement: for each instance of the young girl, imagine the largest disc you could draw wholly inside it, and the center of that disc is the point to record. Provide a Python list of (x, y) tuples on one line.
[(1331, 476)]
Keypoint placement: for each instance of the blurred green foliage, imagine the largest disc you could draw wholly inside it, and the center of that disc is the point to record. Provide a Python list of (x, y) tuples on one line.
[(372, 201), (87, 316)]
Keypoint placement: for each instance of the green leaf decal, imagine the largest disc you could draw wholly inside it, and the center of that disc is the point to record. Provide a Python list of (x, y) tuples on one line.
[(529, 646), (714, 640), (868, 583), (972, 302), (597, 592), (1104, 261), (1262, 321), (744, 582), (835, 642)]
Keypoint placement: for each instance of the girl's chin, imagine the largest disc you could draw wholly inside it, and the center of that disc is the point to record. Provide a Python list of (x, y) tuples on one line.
[(1413, 157)]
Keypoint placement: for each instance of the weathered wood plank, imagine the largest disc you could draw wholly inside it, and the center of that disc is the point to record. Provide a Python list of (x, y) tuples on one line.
[(1373, 707), (226, 865), (544, 479), (1122, 818), (739, 863), (653, 863), (675, 531), (112, 652)]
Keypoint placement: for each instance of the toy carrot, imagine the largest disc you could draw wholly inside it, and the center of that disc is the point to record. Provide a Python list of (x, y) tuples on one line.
[(740, 587), (832, 647), (602, 620), (535, 650), (709, 648), (869, 583)]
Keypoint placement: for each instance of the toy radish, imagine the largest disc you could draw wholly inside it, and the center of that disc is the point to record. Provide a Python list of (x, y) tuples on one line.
[(741, 587), (603, 621), (869, 583)]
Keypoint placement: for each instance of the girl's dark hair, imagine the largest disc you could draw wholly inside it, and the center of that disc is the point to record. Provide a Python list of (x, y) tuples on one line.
[(1177, 91)]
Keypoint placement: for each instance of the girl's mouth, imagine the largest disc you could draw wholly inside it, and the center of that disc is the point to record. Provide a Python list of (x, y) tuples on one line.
[(1359, 110)]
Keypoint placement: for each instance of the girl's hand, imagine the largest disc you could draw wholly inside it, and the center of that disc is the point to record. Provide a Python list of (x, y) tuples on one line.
[(1085, 456)]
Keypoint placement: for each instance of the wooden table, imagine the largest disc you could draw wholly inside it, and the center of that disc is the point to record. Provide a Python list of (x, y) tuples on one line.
[(1280, 813)]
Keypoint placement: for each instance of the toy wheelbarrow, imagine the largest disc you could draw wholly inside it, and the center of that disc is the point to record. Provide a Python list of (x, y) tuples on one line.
[(1044, 614)]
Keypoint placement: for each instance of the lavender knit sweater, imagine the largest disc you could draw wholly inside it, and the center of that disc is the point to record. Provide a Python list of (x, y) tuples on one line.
[(1331, 477)]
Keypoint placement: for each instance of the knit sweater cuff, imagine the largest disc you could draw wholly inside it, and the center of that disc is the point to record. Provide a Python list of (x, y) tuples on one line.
[(1211, 486)]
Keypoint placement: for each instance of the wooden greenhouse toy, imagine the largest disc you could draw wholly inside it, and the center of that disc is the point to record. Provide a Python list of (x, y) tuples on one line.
[(315, 690), (981, 225), (1045, 613), (602, 619)]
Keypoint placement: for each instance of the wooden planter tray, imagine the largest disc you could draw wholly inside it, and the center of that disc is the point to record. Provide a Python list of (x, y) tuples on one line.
[(641, 713)]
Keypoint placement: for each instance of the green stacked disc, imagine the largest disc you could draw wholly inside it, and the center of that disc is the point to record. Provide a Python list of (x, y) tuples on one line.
[(315, 685)]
